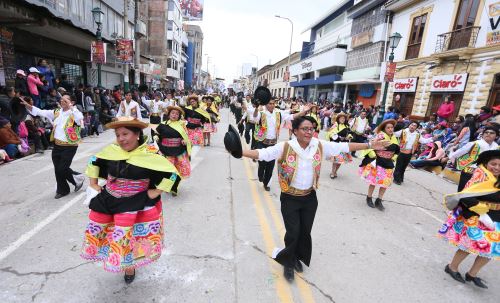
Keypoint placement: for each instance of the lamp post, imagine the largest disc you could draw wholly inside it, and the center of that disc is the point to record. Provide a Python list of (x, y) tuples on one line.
[(393, 43), (97, 15), (289, 54)]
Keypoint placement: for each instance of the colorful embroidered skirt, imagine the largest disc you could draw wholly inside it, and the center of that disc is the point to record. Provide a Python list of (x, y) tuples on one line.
[(342, 158), (209, 128), (182, 164), (195, 135), (376, 175), (126, 240), (471, 235)]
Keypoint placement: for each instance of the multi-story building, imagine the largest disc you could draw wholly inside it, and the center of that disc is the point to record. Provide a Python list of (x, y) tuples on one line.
[(264, 75), (323, 58), (449, 47), (61, 31), (195, 55), (278, 83), (366, 51), (174, 43)]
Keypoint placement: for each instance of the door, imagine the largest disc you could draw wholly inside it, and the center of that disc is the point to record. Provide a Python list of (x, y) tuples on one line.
[(494, 99), (437, 99), (464, 22), (405, 103)]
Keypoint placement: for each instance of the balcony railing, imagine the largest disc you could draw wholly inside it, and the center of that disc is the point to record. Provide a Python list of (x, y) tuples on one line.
[(464, 37)]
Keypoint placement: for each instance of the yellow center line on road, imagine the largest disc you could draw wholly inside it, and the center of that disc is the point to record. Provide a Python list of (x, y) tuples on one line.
[(282, 288)]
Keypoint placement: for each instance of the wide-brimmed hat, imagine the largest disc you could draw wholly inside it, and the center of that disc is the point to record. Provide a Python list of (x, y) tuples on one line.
[(232, 142), (262, 95), (193, 97), (127, 121), (383, 124), (209, 98), (341, 114), (34, 70), (486, 156), (21, 72), (171, 107)]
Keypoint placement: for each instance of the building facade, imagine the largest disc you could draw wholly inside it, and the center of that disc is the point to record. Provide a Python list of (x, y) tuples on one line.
[(323, 58), (278, 82), (61, 32), (449, 47), (195, 56)]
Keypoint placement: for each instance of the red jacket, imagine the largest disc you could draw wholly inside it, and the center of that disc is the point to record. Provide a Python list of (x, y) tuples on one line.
[(446, 110)]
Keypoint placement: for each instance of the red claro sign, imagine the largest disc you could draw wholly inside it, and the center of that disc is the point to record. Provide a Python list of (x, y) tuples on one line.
[(405, 85), (449, 83)]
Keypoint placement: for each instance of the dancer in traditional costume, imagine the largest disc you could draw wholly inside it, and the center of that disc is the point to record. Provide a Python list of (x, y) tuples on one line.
[(249, 120), (129, 108), (196, 118), (466, 156), (340, 132), (294, 108), (360, 126), (173, 141), (299, 167), (211, 126), (126, 222), (473, 224), (156, 108), (67, 122), (377, 167), (315, 115)]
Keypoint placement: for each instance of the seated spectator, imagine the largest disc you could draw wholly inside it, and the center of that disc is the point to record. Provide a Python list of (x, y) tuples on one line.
[(33, 133), (8, 139), (44, 127), (484, 114), (440, 132), (432, 123), (496, 115), (432, 159), (52, 101), (20, 83)]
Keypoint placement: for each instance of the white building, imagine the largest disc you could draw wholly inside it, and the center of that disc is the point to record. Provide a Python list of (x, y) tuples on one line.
[(449, 47), (174, 44)]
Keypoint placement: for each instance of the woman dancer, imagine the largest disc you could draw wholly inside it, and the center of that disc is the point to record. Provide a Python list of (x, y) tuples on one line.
[(378, 166), (196, 118), (126, 222), (210, 127), (314, 114), (340, 132), (473, 224)]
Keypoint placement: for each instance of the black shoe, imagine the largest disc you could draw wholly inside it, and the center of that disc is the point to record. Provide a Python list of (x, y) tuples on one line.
[(476, 280), (58, 195), (298, 266), (379, 205), (174, 194), (39, 151), (79, 185), (397, 182), (267, 188), (129, 278), (289, 274), (369, 201), (454, 274)]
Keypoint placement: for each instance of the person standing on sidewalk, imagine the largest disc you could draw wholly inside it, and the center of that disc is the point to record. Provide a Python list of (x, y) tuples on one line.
[(409, 140), (299, 167), (34, 81), (446, 109), (66, 136)]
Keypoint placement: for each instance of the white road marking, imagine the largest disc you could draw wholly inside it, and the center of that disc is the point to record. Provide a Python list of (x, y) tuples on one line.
[(425, 211), (25, 237)]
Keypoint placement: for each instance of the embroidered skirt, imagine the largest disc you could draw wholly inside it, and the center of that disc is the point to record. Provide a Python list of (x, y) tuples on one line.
[(376, 175), (182, 164), (125, 240), (209, 128), (342, 158), (195, 135), (471, 235)]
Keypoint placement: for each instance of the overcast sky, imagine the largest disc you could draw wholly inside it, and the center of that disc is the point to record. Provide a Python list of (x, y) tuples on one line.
[(235, 29)]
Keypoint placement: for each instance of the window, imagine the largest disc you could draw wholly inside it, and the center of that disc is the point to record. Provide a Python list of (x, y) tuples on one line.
[(464, 24), (416, 34)]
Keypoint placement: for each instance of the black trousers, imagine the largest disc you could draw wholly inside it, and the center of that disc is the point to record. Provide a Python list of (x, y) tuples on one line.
[(298, 216), (62, 156), (250, 128), (265, 171), (357, 139), (401, 165), (464, 178)]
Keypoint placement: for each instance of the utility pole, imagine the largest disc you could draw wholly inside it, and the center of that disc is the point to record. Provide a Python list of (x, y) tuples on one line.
[(126, 86), (137, 53)]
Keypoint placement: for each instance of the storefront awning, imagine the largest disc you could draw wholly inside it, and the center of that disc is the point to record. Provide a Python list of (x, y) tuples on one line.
[(358, 81), (328, 79)]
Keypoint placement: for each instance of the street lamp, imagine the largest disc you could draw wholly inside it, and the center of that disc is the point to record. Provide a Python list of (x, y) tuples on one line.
[(393, 43), (98, 15), (289, 54)]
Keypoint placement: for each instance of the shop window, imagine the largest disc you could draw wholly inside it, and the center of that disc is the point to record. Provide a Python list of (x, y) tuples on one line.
[(74, 73), (416, 35)]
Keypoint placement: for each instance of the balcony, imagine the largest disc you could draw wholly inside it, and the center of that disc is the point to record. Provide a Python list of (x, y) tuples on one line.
[(460, 42), (331, 56)]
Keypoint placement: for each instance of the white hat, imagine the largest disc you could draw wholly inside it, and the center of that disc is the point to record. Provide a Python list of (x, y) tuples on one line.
[(34, 70), (20, 72)]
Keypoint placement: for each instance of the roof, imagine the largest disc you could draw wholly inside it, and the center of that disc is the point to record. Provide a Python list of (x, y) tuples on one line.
[(323, 17)]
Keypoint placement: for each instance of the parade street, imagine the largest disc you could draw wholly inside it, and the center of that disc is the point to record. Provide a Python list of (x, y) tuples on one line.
[(220, 234)]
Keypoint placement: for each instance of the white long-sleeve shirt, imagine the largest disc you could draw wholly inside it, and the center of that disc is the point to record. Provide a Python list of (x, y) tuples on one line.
[(131, 109), (155, 107), (483, 146), (60, 121), (271, 121), (249, 114), (411, 137), (304, 175)]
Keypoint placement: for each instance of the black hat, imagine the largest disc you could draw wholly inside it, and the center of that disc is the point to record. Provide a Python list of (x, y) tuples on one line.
[(232, 142), (486, 156), (262, 95)]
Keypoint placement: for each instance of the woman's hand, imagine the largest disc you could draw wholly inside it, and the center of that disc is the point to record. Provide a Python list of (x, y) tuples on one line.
[(96, 187), (154, 193)]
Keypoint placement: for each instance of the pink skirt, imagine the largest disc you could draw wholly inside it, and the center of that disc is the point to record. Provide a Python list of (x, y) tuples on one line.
[(376, 175), (342, 158), (209, 128), (182, 164), (195, 135)]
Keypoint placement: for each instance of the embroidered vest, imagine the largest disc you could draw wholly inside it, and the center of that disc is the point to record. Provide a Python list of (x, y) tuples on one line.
[(404, 139), (355, 125), (464, 162), (288, 163), (71, 129), (261, 128)]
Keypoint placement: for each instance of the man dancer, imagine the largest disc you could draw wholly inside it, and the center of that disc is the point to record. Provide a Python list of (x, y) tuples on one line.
[(250, 121), (409, 139), (66, 136), (129, 108), (267, 129), (359, 127)]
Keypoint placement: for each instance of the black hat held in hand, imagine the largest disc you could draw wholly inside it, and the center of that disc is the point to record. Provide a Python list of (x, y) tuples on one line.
[(262, 95), (232, 142)]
